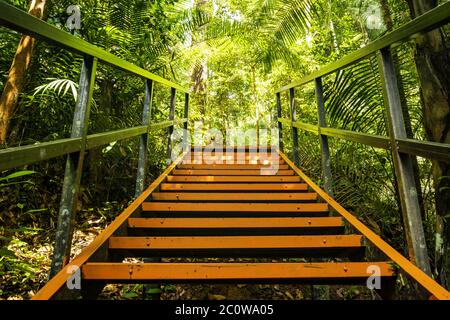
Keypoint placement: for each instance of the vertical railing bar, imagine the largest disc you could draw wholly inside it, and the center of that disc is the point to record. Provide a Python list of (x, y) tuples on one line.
[(294, 129), (173, 92), (280, 125), (142, 171), (74, 167), (143, 139), (324, 147), (403, 167)]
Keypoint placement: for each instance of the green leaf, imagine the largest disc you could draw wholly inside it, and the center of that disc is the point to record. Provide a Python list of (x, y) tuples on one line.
[(58, 85), (153, 291), (36, 210), (18, 174), (130, 295), (7, 253), (109, 147)]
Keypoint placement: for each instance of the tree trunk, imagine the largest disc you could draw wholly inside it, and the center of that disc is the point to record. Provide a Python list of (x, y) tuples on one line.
[(255, 101), (433, 66), (198, 78), (332, 28), (17, 73)]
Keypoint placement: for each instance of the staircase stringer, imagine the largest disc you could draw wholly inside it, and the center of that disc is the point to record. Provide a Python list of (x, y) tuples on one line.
[(402, 262), (57, 285)]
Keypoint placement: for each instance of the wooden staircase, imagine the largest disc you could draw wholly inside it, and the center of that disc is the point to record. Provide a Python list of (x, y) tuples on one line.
[(201, 210)]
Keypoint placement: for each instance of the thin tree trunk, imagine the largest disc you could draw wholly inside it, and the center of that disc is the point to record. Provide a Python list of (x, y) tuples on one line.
[(433, 66), (198, 77), (200, 71), (255, 99), (17, 73), (332, 28)]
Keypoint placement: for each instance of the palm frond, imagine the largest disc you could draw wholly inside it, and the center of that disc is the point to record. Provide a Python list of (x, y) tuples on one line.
[(59, 86), (293, 18), (354, 100)]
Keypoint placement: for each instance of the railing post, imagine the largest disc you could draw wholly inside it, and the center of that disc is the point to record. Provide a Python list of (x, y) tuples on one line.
[(412, 219), (323, 292), (173, 92), (74, 167), (143, 140), (186, 116), (294, 129), (280, 125), (142, 168), (326, 160)]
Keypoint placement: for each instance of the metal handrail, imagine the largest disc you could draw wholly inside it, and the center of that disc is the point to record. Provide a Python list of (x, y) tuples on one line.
[(52, 287), (19, 156), (426, 22), (409, 268), (18, 20), (427, 149), (432, 150), (76, 146), (397, 141)]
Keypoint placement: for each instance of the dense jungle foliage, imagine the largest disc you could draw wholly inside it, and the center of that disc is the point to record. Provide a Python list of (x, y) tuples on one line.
[(233, 55)]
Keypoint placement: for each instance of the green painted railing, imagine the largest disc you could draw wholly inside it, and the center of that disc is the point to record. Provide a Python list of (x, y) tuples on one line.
[(79, 142), (398, 143)]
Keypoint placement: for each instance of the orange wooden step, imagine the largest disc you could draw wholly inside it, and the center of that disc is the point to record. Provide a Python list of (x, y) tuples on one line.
[(235, 148), (238, 223), (222, 161), (234, 207), (227, 166), (191, 196), (235, 226), (210, 153), (235, 159), (239, 246), (182, 172), (233, 179), (232, 153), (240, 155), (205, 187), (323, 272)]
